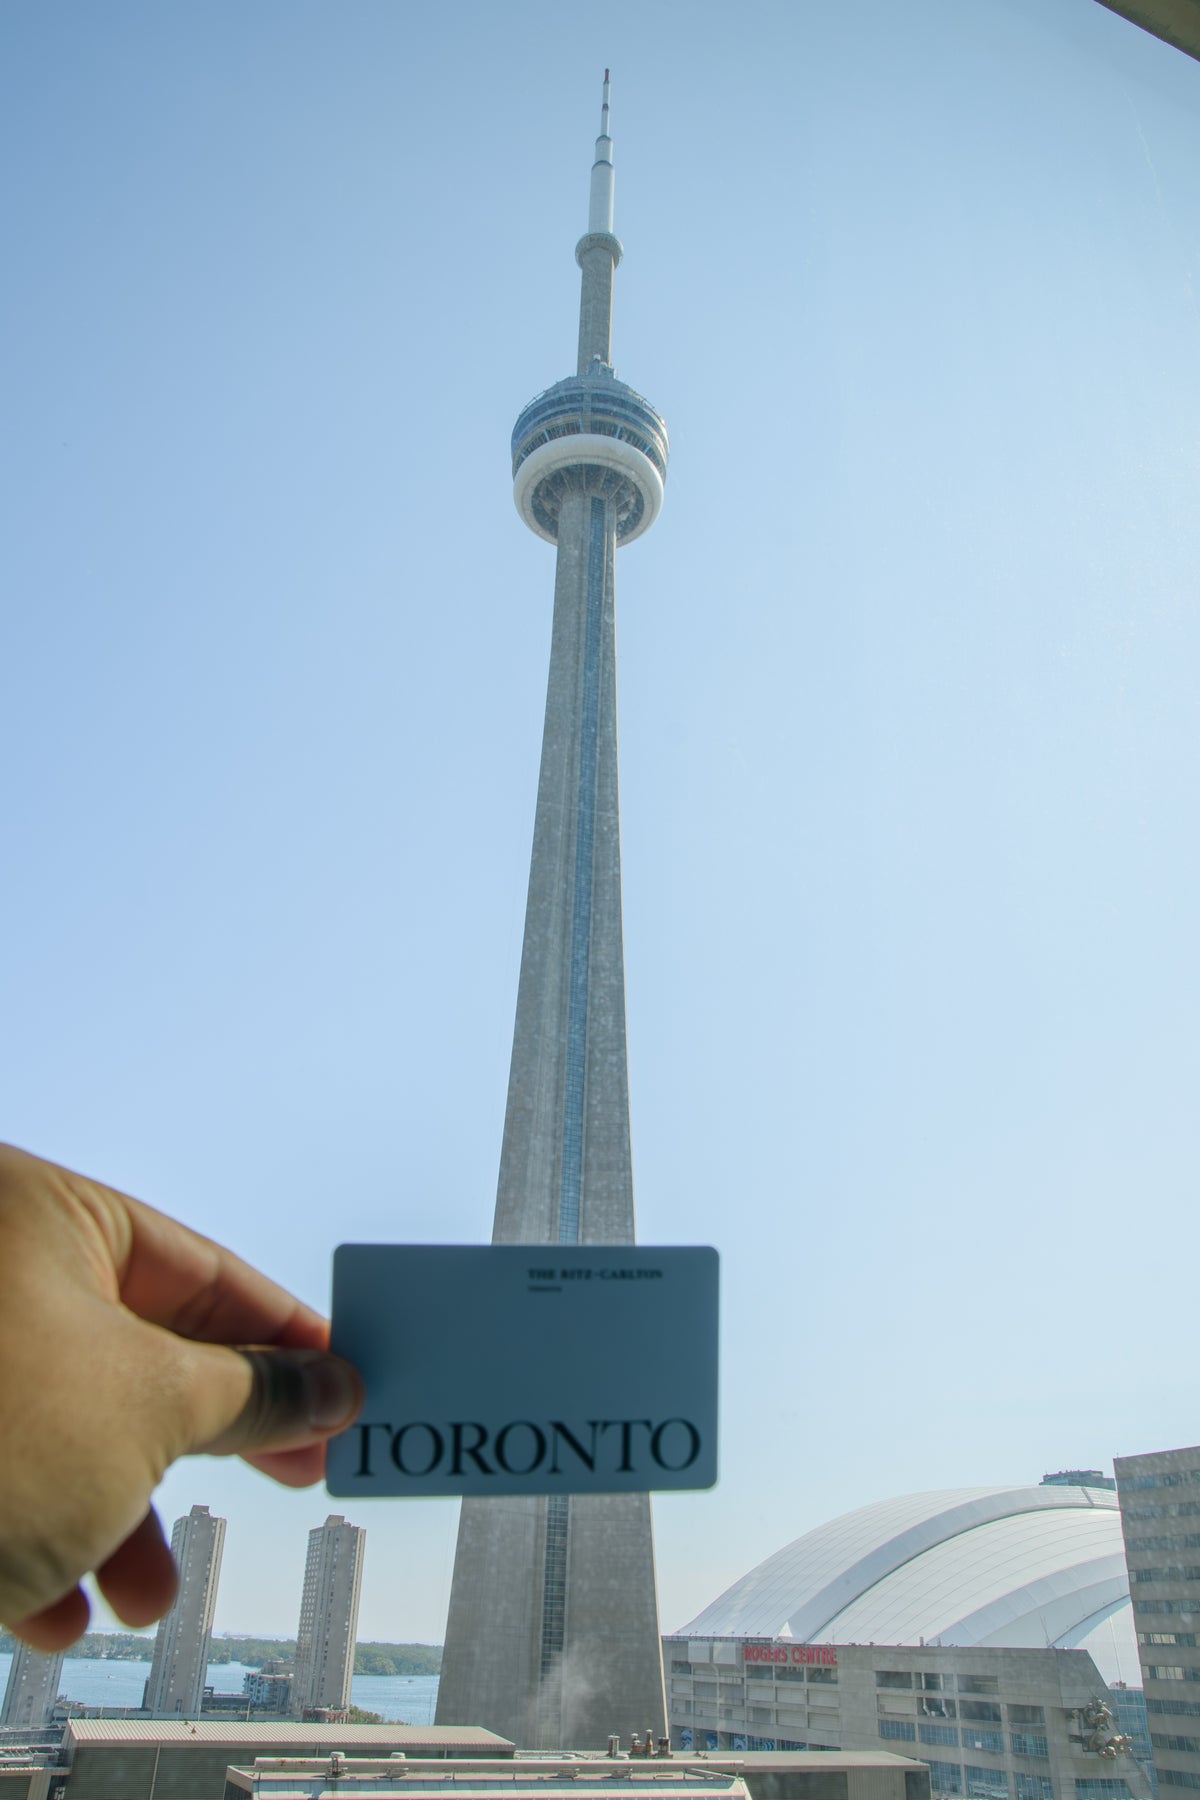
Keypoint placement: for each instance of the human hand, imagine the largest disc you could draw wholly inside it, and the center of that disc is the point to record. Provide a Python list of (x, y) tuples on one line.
[(126, 1341)]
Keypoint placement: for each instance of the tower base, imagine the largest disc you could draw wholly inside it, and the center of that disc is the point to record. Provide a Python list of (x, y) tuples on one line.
[(502, 1665)]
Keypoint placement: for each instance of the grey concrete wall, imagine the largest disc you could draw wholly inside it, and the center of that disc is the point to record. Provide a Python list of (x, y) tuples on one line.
[(127, 1771), (23, 1784), (798, 1784)]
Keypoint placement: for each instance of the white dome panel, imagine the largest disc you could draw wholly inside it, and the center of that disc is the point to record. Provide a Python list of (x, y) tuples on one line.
[(1001, 1566)]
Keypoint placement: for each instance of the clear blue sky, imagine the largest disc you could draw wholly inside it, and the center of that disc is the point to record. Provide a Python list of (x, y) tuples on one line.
[(907, 668)]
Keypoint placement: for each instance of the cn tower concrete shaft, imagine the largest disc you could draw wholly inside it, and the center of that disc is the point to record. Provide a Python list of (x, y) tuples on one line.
[(566, 1172), (552, 1637)]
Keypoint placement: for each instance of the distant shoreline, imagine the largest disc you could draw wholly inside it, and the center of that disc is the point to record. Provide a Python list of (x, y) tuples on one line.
[(369, 1659)]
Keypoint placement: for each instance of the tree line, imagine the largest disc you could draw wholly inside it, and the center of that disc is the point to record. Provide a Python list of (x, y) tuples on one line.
[(369, 1659)]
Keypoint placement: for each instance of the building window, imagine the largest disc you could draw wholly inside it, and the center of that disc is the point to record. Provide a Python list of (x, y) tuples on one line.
[(1189, 1541), (1035, 1787), (987, 1710), (893, 1678), (1186, 1639), (1026, 1715), (788, 1674), (1027, 1743), (986, 1784), (1170, 1672), (931, 1683), (991, 1741), (759, 1672), (897, 1728), (945, 1778), (1168, 1572), (1176, 1709), (1179, 1778), (938, 1734), (1167, 1741), (1101, 1787), (823, 1677), (978, 1684), (681, 1668)]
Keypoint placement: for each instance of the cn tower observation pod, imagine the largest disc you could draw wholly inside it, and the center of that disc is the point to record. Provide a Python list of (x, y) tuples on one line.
[(590, 434)]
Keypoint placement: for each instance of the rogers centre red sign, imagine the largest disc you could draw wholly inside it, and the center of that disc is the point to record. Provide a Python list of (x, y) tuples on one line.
[(790, 1653)]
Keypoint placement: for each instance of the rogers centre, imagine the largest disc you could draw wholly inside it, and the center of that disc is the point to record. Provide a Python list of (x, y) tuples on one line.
[(969, 1629)]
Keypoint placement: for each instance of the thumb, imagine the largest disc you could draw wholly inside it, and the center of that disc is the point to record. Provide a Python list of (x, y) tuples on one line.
[(247, 1401)]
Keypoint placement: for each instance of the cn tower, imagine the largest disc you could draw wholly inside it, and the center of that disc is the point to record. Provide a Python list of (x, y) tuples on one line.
[(552, 1637)]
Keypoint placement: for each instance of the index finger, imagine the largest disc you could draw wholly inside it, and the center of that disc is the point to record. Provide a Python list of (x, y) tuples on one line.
[(173, 1276), (161, 1270)]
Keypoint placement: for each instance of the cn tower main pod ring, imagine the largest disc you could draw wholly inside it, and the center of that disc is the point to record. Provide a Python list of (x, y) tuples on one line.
[(591, 451)]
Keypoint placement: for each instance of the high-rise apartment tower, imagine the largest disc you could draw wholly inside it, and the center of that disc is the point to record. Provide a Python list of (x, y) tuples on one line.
[(180, 1661), (552, 1636), (328, 1631), (1159, 1496), (32, 1687)]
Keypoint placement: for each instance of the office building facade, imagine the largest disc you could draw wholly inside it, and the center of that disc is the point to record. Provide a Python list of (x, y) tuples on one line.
[(552, 1636), (1129, 1710), (180, 1661), (990, 1724), (1159, 1496), (31, 1689), (328, 1630), (269, 1689)]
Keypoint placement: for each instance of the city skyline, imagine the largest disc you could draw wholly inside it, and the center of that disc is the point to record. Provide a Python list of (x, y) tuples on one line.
[(907, 690)]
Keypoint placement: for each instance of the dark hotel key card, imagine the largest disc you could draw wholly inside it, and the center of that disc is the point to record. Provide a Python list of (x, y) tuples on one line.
[(527, 1369)]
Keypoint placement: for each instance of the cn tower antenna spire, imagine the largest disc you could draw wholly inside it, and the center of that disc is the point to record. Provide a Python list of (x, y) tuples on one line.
[(600, 212), (598, 253)]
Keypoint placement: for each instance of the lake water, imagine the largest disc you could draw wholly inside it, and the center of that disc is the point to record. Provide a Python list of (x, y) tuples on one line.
[(97, 1681)]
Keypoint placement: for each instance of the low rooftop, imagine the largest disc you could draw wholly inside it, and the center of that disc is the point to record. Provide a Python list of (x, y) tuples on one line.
[(314, 1739), (633, 1778)]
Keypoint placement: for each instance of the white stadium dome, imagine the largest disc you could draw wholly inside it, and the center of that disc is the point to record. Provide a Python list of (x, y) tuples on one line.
[(1027, 1567)]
